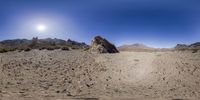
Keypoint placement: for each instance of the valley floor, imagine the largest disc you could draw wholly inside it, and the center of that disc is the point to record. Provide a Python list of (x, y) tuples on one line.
[(77, 74)]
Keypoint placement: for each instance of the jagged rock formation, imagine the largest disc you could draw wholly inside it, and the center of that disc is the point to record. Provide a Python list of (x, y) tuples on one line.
[(181, 46), (195, 47), (101, 45), (35, 43), (191, 46)]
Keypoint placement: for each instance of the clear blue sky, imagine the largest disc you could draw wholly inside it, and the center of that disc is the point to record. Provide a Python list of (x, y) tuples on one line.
[(157, 23)]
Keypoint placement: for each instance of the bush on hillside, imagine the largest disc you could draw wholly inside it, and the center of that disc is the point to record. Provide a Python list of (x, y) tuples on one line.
[(12, 49), (50, 48), (27, 49), (65, 48), (3, 50), (86, 49)]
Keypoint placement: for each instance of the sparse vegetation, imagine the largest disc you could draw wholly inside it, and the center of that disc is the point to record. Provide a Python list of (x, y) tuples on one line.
[(19, 50), (74, 47), (50, 48), (42, 48), (194, 51), (34, 42), (12, 49), (86, 49), (65, 48), (57, 47), (3, 50), (27, 49)]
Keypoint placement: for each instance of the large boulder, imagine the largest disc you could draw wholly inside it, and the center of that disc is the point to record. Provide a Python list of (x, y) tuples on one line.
[(101, 45)]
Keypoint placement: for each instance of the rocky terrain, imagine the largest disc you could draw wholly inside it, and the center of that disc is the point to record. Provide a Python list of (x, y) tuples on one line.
[(80, 74)]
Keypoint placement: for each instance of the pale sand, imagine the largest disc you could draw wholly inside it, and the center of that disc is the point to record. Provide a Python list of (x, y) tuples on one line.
[(57, 75)]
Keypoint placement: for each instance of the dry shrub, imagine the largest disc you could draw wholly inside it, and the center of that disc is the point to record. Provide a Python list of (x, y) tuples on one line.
[(12, 49), (65, 48), (194, 51), (3, 50), (56, 47), (74, 47), (50, 48), (86, 49), (27, 49)]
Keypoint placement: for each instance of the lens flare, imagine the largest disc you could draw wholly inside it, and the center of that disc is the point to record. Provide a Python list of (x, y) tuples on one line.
[(41, 28)]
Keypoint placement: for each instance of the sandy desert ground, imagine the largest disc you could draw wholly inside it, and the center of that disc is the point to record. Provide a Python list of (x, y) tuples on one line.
[(76, 74)]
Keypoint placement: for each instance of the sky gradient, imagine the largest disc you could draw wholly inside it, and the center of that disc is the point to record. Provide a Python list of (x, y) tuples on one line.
[(156, 23)]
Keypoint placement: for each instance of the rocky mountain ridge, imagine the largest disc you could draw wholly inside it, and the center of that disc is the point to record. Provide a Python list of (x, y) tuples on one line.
[(35, 43), (194, 46)]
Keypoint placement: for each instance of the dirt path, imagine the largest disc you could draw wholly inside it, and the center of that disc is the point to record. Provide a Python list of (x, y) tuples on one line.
[(153, 75)]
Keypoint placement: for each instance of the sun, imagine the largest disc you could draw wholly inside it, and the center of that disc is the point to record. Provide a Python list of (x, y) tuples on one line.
[(41, 27)]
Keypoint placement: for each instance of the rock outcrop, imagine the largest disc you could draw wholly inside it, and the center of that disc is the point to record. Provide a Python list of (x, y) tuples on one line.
[(101, 45), (181, 47), (191, 46), (195, 45)]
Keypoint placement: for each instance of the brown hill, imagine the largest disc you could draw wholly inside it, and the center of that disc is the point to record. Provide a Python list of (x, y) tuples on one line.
[(135, 47)]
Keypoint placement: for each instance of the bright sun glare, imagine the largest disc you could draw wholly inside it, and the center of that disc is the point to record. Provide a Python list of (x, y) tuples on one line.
[(41, 28)]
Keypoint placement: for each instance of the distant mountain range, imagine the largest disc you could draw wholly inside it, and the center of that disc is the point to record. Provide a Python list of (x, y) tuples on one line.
[(51, 44), (144, 48), (135, 47), (194, 46), (36, 43)]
